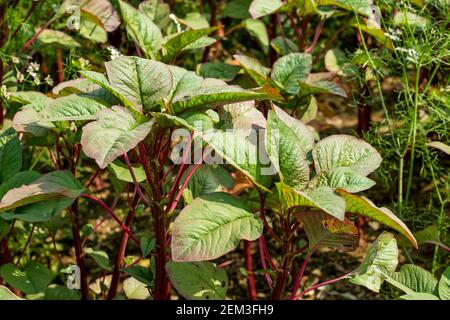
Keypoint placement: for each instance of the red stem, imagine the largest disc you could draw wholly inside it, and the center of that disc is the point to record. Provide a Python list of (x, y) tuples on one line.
[(183, 186), (316, 36), (113, 215), (133, 176), (302, 271), (321, 285)]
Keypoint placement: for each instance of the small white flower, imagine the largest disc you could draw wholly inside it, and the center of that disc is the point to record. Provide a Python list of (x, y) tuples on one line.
[(35, 66), (114, 52), (4, 92), (49, 80), (411, 54), (37, 81), (392, 36), (19, 77), (15, 59), (175, 20), (84, 63)]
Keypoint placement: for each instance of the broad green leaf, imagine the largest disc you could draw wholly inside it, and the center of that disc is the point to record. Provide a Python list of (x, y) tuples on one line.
[(440, 146), (243, 117), (287, 152), (10, 154), (195, 20), (337, 62), (287, 71), (72, 108), (211, 226), (91, 28), (301, 130), (254, 68), (311, 110), (238, 151), (444, 285), (345, 151), (104, 11), (324, 230), (51, 186), (147, 244), (59, 292), (342, 178), (260, 8), (157, 11), (26, 97), (141, 29), (120, 170), (6, 294), (135, 290), (257, 28), (32, 279), (321, 86), (114, 133), (55, 37), (198, 280), (408, 18), (101, 81), (414, 278), (283, 46), (181, 40), (360, 6), (237, 9), (323, 198), (19, 179), (143, 274), (419, 296), (364, 207), (200, 43), (377, 33), (143, 82), (205, 180), (381, 258), (100, 257), (218, 70)]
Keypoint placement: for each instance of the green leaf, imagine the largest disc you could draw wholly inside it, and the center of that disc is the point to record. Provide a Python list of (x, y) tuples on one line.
[(32, 279), (414, 278), (205, 180), (254, 68), (104, 12), (444, 285), (100, 257), (120, 170), (59, 292), (198, 280), (364, 207), (141, 29), (51, 186), (286, 151), (360, 6), (135, 290), (237, 9), (6, 294), (320, 87), (10, 154), (181, 40), (147, 244), (143, 274), (195, 20), (287, 71), (418, 296), (377, 33), (114, 133), (430, 234), (72, 108), (260, 8), (345, 151), (238, 151), (142, 82), (324, 230), (381, 258), (26, 97), (257, 29), (19, 179), (211, 226), (342, 178), (411, 19), (242, 116), (91, 28), (283, 46), (218, 70), (300, 129), (337, 62), (55, 37)]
